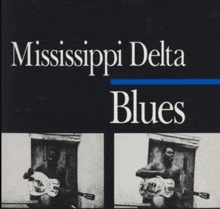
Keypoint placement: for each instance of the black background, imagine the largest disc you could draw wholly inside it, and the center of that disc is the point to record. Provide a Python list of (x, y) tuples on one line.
[(62, 99)]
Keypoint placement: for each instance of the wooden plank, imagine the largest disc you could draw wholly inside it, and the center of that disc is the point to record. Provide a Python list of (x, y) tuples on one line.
[(133, 205), (182, 140), (22, 204), (73, 138)]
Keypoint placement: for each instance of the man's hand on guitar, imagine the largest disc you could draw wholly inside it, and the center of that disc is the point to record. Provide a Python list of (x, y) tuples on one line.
[(30, 171)]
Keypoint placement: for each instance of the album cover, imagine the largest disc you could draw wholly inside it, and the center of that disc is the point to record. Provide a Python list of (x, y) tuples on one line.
[(97, 95)]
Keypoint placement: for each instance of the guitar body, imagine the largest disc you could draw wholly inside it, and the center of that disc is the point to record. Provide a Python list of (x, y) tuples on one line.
[(157, 186), (39, 184), (47, 189)]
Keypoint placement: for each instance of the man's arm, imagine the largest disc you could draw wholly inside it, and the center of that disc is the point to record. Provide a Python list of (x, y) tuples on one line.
[(149, 171), (63, 186), (177, 183), (62, 172), (31, 171), (28, 173)]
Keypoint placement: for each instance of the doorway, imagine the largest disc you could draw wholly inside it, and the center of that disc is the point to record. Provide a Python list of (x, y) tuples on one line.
[(68, 159), (184, 158)]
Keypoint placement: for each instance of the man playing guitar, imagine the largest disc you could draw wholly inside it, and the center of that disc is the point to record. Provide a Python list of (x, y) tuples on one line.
[(167, 170), (52, 170)]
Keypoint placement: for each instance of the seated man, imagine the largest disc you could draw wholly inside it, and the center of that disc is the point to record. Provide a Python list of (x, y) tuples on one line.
[(52, 170), (166, 169)]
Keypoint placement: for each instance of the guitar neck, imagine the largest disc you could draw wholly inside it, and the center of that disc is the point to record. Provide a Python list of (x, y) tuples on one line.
[(195, 193), (200, 194), (87, 195), (80, 193)]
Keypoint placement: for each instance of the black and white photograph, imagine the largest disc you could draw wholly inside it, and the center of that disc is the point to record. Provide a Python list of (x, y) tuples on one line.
[(167, 170), (48, 170)]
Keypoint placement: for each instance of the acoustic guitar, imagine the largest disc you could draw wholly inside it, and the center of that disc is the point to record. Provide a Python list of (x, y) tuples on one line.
[(159, 186), (39, 184)]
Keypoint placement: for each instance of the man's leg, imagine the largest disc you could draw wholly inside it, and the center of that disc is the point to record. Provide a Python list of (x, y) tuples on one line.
[(45, 200), (158, 202), (55, 202)]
